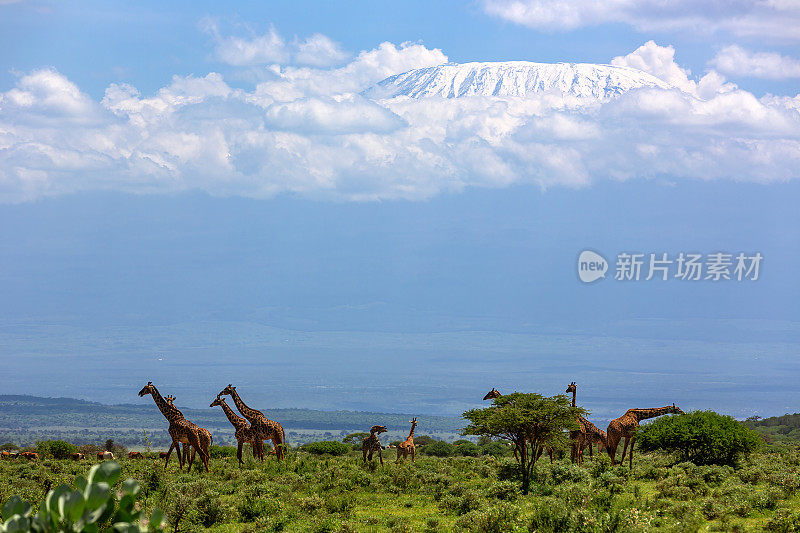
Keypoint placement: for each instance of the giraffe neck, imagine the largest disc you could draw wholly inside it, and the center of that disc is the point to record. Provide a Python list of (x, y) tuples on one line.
[(574, 394), (644, 414), (234, 419), (248, 412), (169, 412), (411, 433)]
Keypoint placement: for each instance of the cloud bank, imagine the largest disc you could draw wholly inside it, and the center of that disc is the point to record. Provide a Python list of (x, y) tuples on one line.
[(765, 19), (306, 130), (737, 61)]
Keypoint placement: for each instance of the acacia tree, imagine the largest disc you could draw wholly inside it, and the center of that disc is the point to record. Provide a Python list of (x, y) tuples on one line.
[(530, 421)]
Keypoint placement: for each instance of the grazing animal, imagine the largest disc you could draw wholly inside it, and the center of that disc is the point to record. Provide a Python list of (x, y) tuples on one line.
[(78, 456), (492, 394), (162, 455), (5, 455), (626, 425), (407, 446), (180, 429), (243, 432), (592, 435), (105, 455), (30, 456), (586, 434), (135, 455), (264, 428), (372, 443), (205, 437)]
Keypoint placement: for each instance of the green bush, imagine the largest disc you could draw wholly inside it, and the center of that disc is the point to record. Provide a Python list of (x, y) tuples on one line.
[(330, 447), (702, 437), (468, 449), (439, 448), (222, 451), (91, 507), (58, 448)]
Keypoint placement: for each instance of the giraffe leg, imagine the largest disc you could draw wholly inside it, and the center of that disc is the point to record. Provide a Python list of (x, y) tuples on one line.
[(590, 450), (171, 446), (624, 449), (239, 452), (380, 456), (630, 456), (413, 453)]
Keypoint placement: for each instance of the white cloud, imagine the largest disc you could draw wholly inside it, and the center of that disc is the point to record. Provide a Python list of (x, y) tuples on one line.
[(737, 61), (318, 51), (660, 62), (770, 19), (307, 131), (271, 48)]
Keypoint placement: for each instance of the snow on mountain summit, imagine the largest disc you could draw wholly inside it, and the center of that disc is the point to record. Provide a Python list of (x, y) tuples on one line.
[(514, 79)]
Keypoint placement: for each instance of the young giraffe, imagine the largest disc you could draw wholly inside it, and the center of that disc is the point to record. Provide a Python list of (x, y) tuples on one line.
[(407, 446), (205, 438), (244, 433), (372, 443), (180, 429), (626, 425), (593, 435), (265, 428), (494, 393)]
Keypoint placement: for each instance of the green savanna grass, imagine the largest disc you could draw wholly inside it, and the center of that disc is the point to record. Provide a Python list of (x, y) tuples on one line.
[(324, 493)]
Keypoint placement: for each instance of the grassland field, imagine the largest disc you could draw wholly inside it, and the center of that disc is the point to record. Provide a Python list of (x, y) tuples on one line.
[(338, 493)]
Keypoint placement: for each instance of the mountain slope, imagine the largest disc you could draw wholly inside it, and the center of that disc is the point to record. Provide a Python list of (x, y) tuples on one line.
[(514, 79)]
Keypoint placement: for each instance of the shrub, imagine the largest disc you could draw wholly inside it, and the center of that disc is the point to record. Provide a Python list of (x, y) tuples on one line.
[(59, 449), (91, 505), (702, 437), (330, 447), (222, 451), (440, 448), (468, 449), (494, 448)]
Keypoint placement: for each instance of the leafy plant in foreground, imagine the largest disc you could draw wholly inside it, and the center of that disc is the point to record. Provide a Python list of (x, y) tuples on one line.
[(91, 508)]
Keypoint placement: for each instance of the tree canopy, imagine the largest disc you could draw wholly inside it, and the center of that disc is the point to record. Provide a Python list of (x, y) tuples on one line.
[(531, 421)]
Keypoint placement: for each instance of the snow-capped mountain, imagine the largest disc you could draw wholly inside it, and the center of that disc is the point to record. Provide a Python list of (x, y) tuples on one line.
[(514, 79)]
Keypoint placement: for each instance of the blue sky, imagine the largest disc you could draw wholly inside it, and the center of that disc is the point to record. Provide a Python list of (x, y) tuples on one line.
[(200, 163)]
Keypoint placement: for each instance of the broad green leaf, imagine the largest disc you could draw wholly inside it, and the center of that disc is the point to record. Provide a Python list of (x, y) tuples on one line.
[(131, 486)]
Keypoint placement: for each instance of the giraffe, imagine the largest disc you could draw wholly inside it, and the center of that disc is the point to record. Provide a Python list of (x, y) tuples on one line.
[(244, 433), (593, 435), (626, 425), (180, 429), (407, 446), (265, 428), (205, 437), (372, 443), (494, 393)]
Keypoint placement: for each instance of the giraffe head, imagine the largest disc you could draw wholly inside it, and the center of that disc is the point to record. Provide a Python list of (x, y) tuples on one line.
[(571, 387), (170, 400), (413, 422), (217, 401), (227, 391), (492, 394), (147, 389), (675, 410), (378, 429)]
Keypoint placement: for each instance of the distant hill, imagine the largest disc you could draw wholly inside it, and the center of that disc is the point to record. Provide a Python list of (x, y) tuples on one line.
[(778, 428), (25, 419)]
